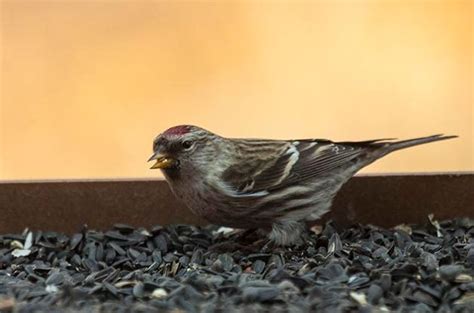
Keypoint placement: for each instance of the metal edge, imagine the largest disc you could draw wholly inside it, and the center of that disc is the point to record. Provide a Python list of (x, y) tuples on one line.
[(66, 205)]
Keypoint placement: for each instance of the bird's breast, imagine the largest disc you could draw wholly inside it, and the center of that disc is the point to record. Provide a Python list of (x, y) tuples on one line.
[(195, 194)]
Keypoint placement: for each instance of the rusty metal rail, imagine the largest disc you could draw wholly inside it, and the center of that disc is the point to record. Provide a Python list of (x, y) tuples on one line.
[(65, 206)]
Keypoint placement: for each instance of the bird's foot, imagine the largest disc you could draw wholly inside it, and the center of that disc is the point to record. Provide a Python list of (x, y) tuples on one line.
[(269, 246), (227, 246), (246, 235)]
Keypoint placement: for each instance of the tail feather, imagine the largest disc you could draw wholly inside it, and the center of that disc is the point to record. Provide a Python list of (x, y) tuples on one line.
[(397, 145)]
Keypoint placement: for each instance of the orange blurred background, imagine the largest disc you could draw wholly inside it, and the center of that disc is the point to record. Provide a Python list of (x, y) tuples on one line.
[(86, 85)]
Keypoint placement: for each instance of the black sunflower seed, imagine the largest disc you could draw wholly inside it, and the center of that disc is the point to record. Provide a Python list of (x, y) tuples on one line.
[(75, 240), (169, 268), (258, 266), (449, 272), (374, 294), (124, 228), (259, 294)]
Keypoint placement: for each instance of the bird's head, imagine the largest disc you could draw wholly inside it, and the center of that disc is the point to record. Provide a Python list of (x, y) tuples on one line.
[(183, 147)]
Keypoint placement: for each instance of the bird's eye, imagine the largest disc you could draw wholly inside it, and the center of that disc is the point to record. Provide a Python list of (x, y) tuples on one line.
[(187, 144)]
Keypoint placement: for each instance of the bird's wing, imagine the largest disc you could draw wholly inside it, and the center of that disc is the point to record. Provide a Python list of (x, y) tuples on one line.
[(297, 161)]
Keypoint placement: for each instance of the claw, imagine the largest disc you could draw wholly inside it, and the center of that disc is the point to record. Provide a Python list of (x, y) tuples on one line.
[(268, 247)]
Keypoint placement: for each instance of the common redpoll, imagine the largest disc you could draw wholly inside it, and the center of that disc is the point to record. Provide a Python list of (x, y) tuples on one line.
[(273, 185)]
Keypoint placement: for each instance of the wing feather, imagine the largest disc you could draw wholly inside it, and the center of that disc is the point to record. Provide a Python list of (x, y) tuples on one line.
[(295, 161)]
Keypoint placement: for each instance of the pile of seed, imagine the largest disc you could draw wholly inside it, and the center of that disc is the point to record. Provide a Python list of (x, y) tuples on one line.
[(184, 268)]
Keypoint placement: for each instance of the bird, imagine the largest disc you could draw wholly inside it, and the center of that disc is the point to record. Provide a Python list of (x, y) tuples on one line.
[(275, 186)]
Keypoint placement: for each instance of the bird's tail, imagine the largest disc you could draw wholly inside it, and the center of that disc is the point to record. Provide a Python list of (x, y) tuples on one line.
[(397, 145)]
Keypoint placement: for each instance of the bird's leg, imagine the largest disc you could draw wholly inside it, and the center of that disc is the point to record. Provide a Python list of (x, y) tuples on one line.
[(238, 239), (244, 234), (268, 246), (287, 233)]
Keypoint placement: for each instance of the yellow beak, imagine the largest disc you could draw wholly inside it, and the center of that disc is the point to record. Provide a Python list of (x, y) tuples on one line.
[(162, 161)]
